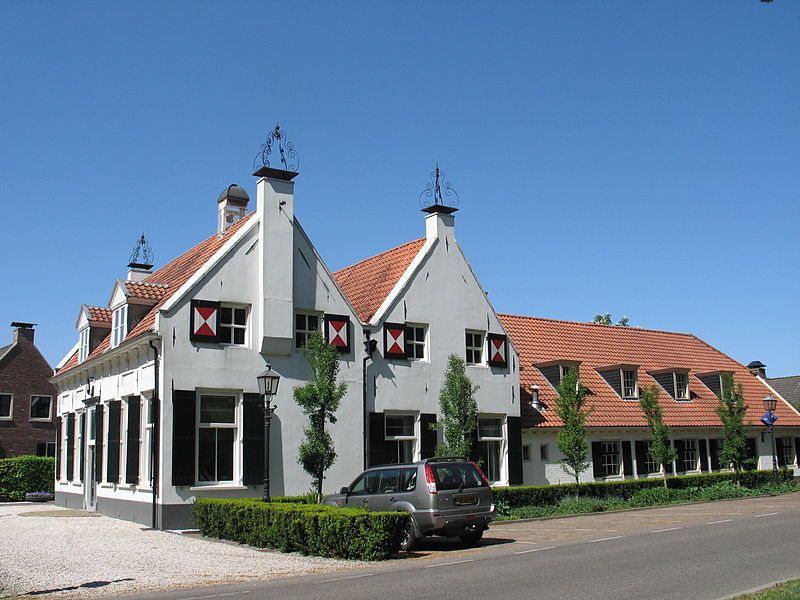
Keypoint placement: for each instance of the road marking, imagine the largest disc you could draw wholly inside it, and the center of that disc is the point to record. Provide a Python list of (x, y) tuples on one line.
[(722, 521), (605, 539), (455, 562), (535, 550), (587, 529), (218, 595), (767, 515), (526, 542), (349, 577), (667, 529)]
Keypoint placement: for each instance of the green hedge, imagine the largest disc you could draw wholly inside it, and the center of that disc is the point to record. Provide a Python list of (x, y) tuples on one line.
[(540, 495), (313, 529), (22, 474)]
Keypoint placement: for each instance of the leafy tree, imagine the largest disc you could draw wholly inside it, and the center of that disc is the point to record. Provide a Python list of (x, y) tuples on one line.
[(319, 399), (605, 319), (731, 412), (660, 449), (459, 410), (572, 409)]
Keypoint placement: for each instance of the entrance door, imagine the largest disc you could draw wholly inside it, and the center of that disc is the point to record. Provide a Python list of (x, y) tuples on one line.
[(90, 486)]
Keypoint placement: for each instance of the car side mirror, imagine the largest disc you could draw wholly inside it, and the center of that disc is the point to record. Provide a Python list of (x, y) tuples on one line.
[(345, 491)]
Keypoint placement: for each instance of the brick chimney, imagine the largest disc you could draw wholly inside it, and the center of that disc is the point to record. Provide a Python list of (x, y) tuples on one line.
[(758, 369), (24, 330)]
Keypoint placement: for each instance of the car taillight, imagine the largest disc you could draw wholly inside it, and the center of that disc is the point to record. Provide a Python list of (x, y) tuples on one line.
[(485, 480), (430, 479)]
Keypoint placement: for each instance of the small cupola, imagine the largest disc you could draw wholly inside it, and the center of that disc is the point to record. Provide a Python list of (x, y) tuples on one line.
[(231, 206), (140, 264), (757, 368)]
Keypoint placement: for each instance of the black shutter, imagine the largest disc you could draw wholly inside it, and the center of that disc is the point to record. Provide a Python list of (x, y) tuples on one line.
[(627, 460), (70, 445), (514, 450), (779, 442), (797, 450), (184, 413), (428, 436), (597, 459), (58, 449), (679, 449), (253, 440), (641, 457), (377, 439), (134, 440), (703, 457), (668, 466), (713, 448), (82, 454), (98, 443), (479, 453), (114, 428)]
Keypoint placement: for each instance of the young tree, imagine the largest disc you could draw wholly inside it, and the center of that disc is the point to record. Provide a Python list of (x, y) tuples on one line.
[(319, 399), (660, 449), (571, 408), (731, 412), (459, 410), (605, 319)]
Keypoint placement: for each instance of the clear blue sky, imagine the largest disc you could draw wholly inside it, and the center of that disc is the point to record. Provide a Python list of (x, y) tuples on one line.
[(638, 158)]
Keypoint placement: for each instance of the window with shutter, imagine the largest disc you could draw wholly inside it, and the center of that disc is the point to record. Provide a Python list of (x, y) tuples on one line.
[(252, 440), (114, 439), (70, 443), (703, 456), (515, 452), (377, 440), (597, 459), (133, 440), (627, 459), (98, 443), (184, 410)]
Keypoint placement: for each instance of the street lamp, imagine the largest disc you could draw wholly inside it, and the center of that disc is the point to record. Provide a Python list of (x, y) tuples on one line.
[(769, 419), (267, 387)]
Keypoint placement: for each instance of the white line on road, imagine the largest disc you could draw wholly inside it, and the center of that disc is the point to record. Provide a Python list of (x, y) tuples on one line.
[(455, 562), (535, 550), (667, 529), (605, 539), (722, 521), (767, 515), (349, 577), (218, 595)]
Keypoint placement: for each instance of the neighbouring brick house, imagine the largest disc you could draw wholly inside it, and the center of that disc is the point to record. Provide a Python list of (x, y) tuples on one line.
[(26, 397)]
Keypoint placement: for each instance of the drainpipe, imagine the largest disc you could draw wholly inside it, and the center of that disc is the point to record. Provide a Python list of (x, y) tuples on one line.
[(369, 347), (154, 415)]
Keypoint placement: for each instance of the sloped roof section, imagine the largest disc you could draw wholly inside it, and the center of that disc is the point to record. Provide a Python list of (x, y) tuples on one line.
[(788, 387), (596, 346), (367, 283), (100, 314), (146, 290)]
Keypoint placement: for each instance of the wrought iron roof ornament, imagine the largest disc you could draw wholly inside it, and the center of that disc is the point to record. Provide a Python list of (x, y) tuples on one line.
[(288, 155), (439, 193), (142, 255)]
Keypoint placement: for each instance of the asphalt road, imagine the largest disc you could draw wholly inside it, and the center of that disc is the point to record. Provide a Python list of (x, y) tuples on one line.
[(698, 551)]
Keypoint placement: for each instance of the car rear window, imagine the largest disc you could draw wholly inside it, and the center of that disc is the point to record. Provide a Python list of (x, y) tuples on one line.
[(451, 476)]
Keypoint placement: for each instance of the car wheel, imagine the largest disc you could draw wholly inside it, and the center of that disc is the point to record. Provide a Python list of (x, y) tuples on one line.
[(471, 539), (409, 538)]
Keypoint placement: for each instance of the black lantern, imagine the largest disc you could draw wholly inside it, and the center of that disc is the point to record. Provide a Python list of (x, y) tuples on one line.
[(267, 387), (268, 382), (770, 403)]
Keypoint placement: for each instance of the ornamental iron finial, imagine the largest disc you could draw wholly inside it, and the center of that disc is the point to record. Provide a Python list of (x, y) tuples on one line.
[(438, 195), (142, 255), (288, 155)]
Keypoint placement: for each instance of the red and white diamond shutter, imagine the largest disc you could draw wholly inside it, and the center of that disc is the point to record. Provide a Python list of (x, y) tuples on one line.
[(394, 340), (498, 350), (204, 321), (337, 332)]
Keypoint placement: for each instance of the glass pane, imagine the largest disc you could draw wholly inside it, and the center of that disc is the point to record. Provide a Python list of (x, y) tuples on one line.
[(389, 481), (5, 405), (490, 428), (357, 488), (239, 316), (420, 351), (408, 480), (206, 454), (225, 315), (402, 425), (493, 462), (225, 335), (225, 454), (238, 336), (406, 451), (313, 322), (217, 409), (299, 321), (299, 340), (450, 476), (40, 407)]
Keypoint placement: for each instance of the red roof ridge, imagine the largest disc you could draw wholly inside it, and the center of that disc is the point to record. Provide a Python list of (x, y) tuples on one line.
[(385, 252), (615, 327)]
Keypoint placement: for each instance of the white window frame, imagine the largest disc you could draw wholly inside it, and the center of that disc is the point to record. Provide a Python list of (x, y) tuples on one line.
[(236, 426), (650, 461), (246, 327), (10, 416), (681, 460), (675, 383), (306, 333), (789, 460), (414, 439), (146, 426), (500, 441), (119, 325), (473, 348), (77, 471), (635, 384), (83, 344), (40, 419), (414, 343), (617, 454)]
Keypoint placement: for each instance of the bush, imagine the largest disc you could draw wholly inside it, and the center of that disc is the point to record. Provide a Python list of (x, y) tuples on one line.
[(22, 474), (307, 528), (543, 495)]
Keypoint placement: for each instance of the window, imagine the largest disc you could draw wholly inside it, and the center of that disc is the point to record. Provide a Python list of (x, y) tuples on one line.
[(610, 458), (688, 456), (629, 384), (6, 406), (415, 341), (46, 449), (41, 408), (83, 347), (544, 452), (119, 325), (565, 370), (490, 442), (785, 451), (304, 326), (526, 453), (366, 483), (232, 325), (651, 464), (400, 432), (474, 347), (454, 475), (79, 420), (147, 441), (681, 386), (215, 439)]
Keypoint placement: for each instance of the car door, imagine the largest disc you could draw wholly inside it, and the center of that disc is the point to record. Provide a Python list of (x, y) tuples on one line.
[(388, 485), (362, 490)]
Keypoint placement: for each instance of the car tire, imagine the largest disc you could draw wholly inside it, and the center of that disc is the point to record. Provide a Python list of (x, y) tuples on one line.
[(471, 539), (409, 539)]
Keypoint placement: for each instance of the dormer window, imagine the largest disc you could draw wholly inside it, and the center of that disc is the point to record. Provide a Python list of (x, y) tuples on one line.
[(630, 387), (555, 372), (119, 325), (83, 346), (565, 370), (681, 386)]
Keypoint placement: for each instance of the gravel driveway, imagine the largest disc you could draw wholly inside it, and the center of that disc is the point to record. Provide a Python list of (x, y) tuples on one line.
[(45, 549)]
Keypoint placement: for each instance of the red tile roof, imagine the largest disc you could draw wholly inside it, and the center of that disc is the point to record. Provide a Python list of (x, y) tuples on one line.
[(367, 283), (146, 290), (544, 340), (99, 313)]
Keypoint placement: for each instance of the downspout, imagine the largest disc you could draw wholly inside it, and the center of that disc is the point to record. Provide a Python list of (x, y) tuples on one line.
[(369, 347), (154, 437)]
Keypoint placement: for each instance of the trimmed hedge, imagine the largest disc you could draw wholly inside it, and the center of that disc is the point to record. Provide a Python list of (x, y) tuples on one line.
[(314, 529), (540, 495), (22, 474)]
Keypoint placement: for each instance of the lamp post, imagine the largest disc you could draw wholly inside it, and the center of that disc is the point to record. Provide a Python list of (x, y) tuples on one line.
[(267, 387), (769, 419)]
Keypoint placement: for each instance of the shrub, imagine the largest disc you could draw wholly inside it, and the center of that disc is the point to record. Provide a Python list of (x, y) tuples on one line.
[(22, 474), (307, 528)]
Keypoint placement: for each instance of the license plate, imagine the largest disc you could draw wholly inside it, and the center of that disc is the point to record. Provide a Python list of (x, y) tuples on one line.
[(465, 500)]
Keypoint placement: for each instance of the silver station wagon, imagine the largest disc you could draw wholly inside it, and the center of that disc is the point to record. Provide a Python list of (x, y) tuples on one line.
[(445, 496)]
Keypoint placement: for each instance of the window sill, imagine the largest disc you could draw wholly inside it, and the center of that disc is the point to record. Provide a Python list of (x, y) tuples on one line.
[(40, 420), (107, 486), (217, 487), (77, 484)]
